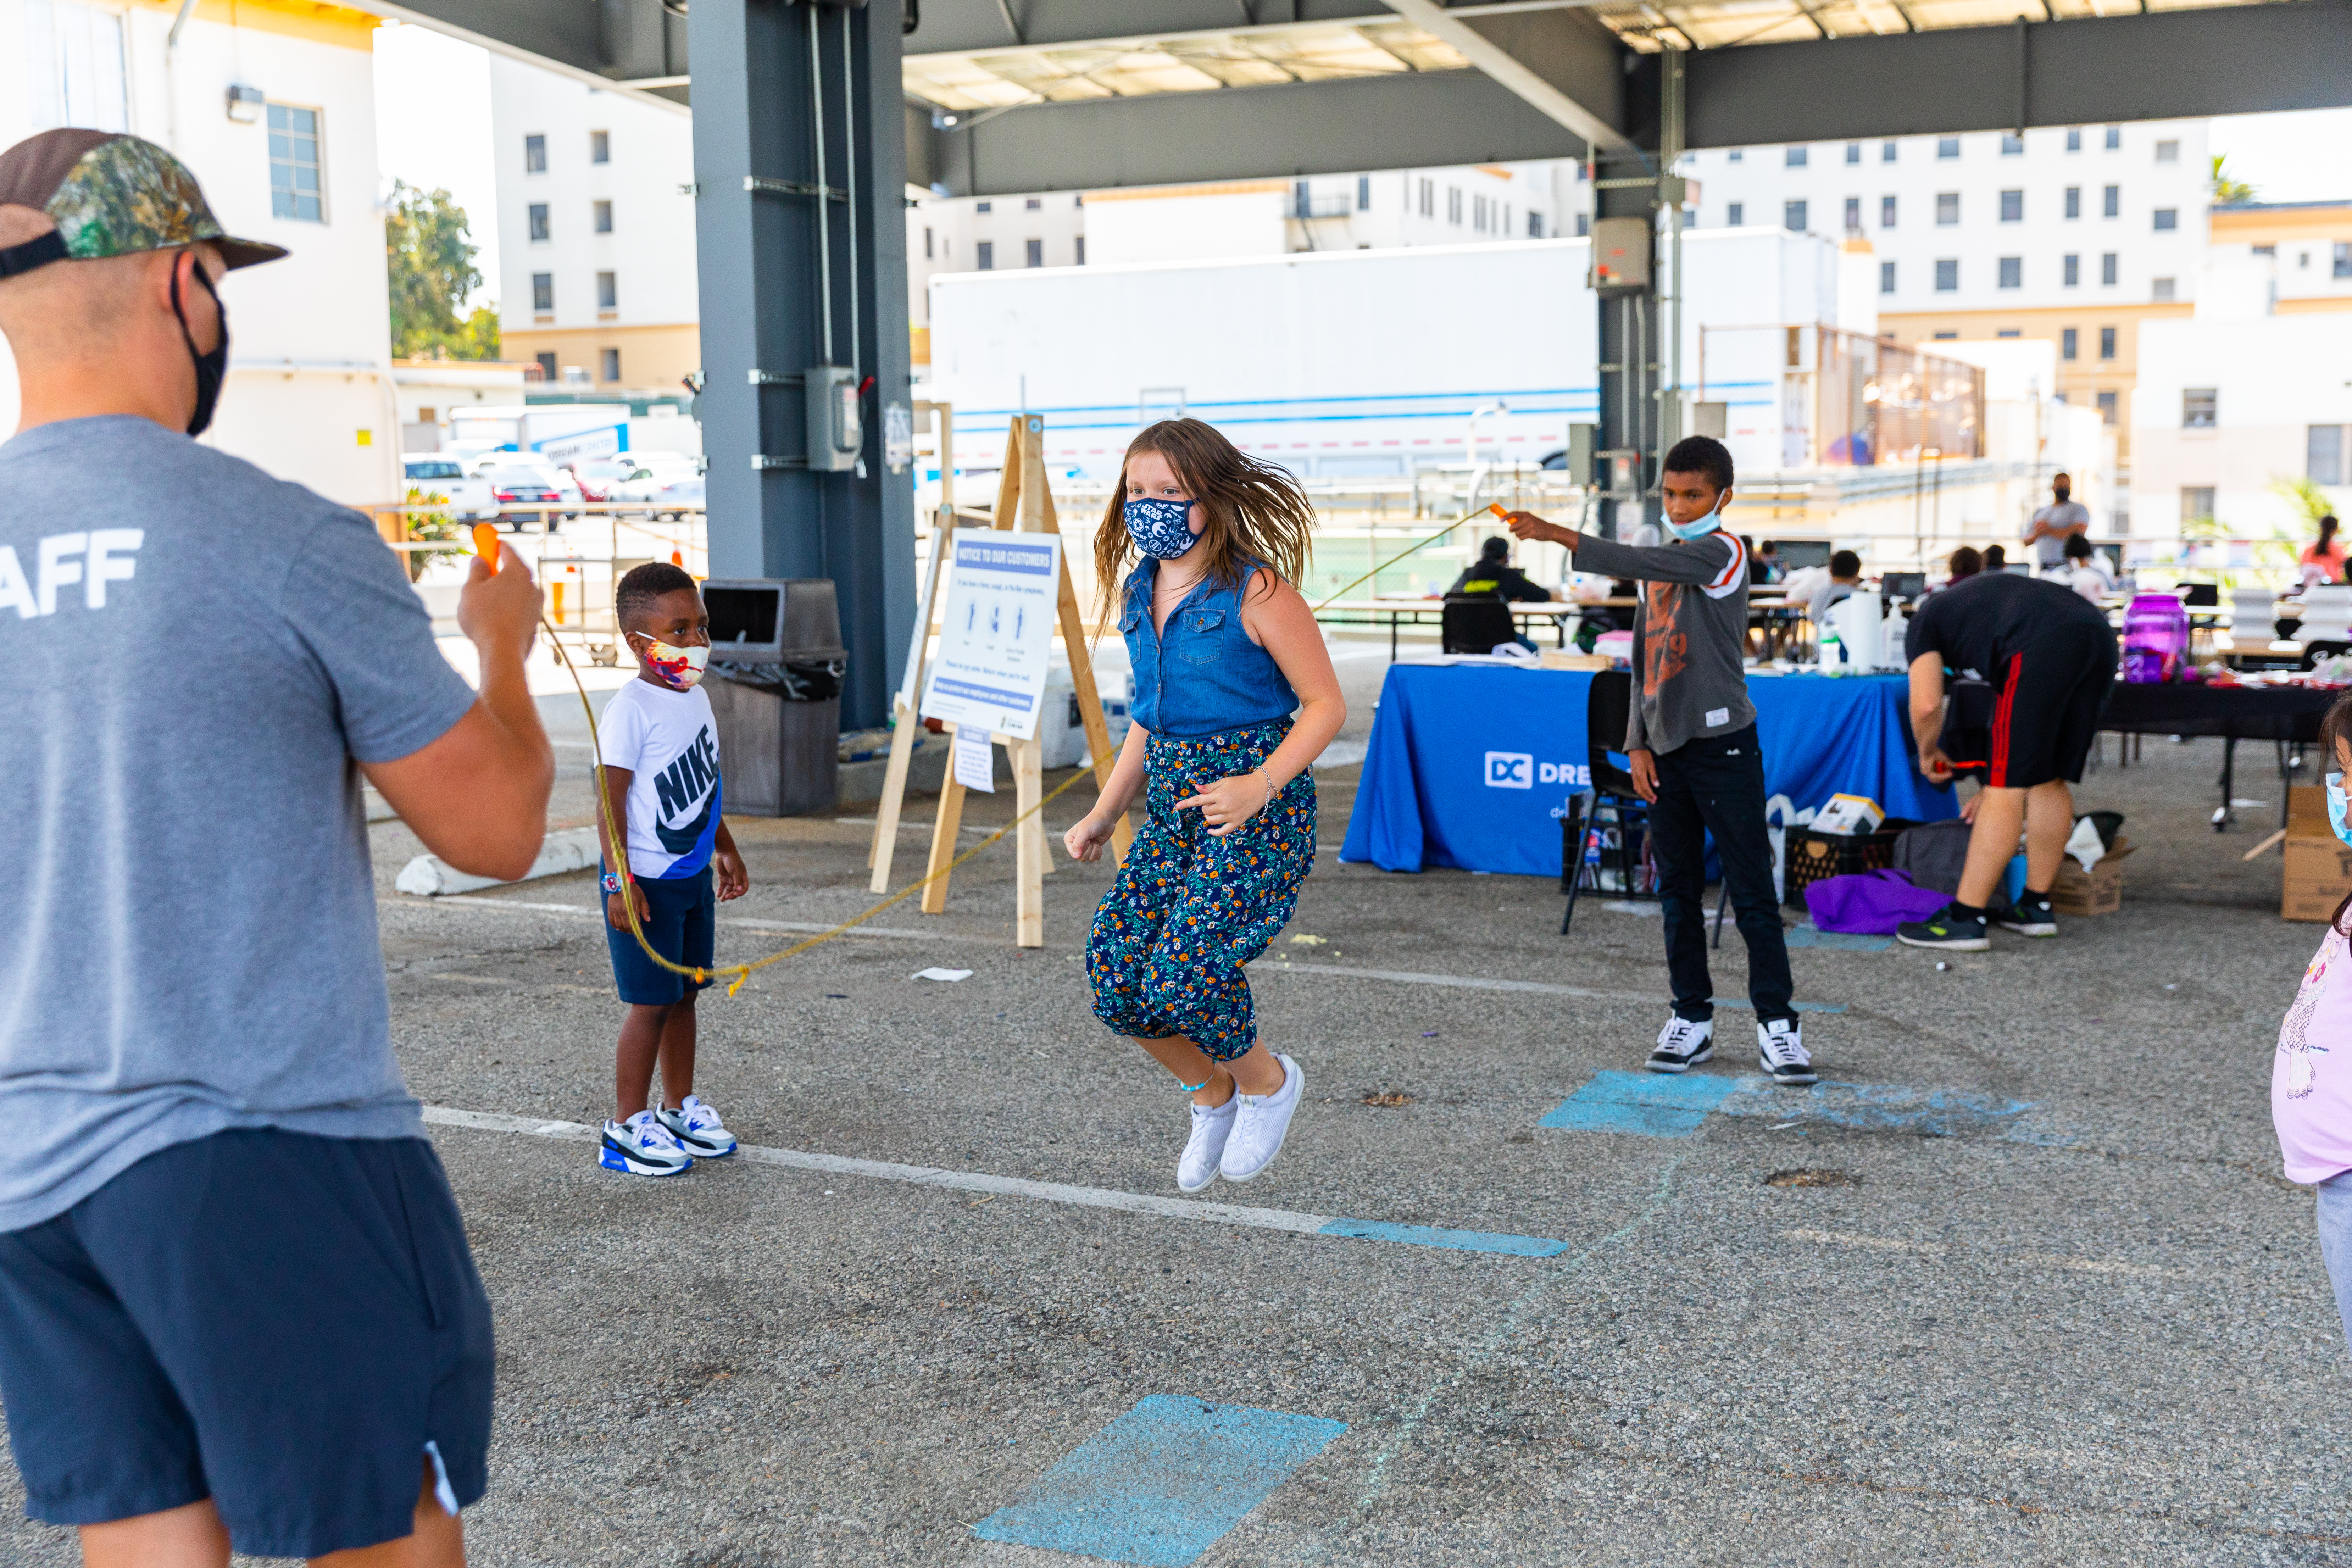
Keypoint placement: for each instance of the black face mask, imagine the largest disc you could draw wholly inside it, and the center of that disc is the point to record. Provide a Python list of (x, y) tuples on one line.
[(2061, 494), (210, 367)]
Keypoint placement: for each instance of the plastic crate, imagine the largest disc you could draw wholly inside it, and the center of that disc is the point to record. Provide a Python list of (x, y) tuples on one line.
[(1816, 857)]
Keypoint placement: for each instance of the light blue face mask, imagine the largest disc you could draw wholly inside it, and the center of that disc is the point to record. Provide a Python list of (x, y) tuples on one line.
[(1161, 528), (2336, 807), (1686, 532)]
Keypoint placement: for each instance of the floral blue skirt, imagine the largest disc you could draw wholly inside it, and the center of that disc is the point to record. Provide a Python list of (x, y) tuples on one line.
[(1188, 909)]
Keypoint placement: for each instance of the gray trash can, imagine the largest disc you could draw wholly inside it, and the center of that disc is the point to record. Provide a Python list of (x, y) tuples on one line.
[(776, 663)]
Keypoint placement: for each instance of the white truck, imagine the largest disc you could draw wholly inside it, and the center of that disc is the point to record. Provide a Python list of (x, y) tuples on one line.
[(468, 496)]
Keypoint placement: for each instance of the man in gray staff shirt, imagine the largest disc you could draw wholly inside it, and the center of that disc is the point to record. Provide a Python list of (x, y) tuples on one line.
[(2048, 531), (237, 1311)]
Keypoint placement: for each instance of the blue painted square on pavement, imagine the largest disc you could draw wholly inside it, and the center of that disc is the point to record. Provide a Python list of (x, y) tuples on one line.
[(1162, 1483), (1652, 1105)]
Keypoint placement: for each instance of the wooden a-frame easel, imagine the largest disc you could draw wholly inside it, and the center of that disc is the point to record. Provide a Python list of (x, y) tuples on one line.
[(1024, 499)]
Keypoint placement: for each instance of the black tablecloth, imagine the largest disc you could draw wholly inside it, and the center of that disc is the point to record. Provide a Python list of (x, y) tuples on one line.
[(2244, 712)]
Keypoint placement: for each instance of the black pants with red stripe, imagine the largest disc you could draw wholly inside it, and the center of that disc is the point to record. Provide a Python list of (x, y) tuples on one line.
[(2047, 712), (1716, 785)]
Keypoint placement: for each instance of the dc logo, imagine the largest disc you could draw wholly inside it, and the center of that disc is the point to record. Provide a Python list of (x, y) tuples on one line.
[(1511, 770)]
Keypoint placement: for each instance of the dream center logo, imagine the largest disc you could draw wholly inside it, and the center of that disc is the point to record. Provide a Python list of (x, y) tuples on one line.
[(1519, 770)]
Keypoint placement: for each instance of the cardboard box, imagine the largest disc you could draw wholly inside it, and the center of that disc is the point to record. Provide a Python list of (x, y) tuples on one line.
[(2316, 866), (2097, 892)]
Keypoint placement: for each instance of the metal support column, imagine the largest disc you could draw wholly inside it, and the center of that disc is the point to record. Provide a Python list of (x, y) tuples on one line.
[(1625, 185), (799, 149)]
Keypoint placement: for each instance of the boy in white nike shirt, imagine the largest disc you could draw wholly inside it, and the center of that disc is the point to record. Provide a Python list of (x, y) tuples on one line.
[(660, 751)]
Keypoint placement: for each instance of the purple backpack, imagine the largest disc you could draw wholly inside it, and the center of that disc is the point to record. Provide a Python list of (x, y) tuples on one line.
[(1872, 903)]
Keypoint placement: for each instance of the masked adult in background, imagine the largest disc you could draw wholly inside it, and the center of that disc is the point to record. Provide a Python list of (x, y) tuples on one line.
[(237, 1305)]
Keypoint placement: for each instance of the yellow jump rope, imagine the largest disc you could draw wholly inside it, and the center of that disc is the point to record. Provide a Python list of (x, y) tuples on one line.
[(486, 545)]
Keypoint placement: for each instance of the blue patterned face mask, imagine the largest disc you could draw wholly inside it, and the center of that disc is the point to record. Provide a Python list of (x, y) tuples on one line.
[(1686, 532), (1161, 528), (2336, 807)]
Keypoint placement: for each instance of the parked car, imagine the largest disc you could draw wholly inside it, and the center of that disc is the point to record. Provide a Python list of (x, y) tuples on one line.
[(679, 498), (523, 495), (665, 486), (566, 488), (597, 477), (469, 497)]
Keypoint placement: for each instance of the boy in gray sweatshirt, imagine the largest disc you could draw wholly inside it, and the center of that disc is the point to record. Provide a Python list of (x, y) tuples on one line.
[(1694, 753)]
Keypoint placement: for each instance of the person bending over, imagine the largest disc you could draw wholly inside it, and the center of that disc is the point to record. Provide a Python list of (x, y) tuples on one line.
[(1695, 753), (2049, 656), (660, 749), (1229, 826)]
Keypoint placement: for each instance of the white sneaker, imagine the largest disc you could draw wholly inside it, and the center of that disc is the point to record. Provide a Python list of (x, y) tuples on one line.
[(1259, 1126), (643, 1147), (696, 1128), (1780, 1051), (1683, 1044), (1211, 1126)]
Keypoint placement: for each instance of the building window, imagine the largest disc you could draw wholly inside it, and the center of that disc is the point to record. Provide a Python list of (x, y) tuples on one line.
[(2070, 343), (1035, 252), (987, 255), (2010, 332), (2107, 407), (2012, 206), (534, 154), (2107, 269), (2166, 219), (2074, 201), (2162, 290), (2269, 251), (603, 218), (1792, 216), (2168, 151), (1034, 205), (79, 80), (1736, 155), (928, 251), (1948, 207), (542, 291), (1733, 217), (538, 222), (1079, 251), (2195, 503), (2111, 203), (294, 189), (600, 146), (2324, 454), (1079, 201), (608, 293), (1794, 158), (1887, 152), (1948, 337), (1584, 223), (1363, 193), (1948, 146), (2012, 272), (2343, 259), (2012, 146), (983, 206), (1454, 205), (1886, 277), (611, 364), (546, 364), (2073, 275), (2114, 137), (1886, 212), (1854, 151), (1853, 215), (2073, 139), (1947, 276), (2107, 342), (1535, 225), (1429, 199)]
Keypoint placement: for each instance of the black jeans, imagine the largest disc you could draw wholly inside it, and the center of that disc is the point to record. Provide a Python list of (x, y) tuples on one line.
[(1717, 784)]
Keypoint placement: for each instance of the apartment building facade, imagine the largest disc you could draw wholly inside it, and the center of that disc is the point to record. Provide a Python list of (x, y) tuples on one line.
[(272, 105), (595, 223)]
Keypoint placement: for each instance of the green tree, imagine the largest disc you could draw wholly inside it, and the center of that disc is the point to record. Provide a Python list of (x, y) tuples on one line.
[(2227, 187), (429, 262)]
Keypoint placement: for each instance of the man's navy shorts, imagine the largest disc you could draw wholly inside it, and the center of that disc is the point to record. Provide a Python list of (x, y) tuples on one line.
[(279, 1321), (681, 912)]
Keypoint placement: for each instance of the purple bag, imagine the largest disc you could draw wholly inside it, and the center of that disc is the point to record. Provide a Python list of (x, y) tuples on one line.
[(1872, 903)]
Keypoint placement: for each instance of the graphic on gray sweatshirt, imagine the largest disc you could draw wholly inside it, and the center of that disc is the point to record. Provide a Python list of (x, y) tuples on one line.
[(1690, 631)]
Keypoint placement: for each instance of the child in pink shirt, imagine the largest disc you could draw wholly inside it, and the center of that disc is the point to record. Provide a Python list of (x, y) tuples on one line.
[(2311, 1072)]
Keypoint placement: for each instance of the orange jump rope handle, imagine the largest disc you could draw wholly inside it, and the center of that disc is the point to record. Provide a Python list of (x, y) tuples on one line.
[(1497, 508), (485, 543)]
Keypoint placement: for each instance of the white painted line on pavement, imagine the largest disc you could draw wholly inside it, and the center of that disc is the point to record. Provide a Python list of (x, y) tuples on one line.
[(1471, 983), (899, 934)]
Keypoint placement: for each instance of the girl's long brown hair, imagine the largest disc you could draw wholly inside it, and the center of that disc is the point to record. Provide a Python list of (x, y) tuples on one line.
[(1255, 510)]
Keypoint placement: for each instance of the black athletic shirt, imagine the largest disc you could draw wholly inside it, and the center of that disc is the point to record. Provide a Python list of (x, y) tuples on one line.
[(1977, 625), (1500, 580)]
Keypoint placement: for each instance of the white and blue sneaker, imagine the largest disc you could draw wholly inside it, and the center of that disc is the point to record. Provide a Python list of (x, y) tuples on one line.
[(696, 1128), (641, 1146)]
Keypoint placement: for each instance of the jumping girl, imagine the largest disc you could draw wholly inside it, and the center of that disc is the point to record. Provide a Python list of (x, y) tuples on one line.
[(1224, 651)]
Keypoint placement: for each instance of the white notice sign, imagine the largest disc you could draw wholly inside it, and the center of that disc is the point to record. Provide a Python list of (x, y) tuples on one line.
[(997, 636), (975, 761)]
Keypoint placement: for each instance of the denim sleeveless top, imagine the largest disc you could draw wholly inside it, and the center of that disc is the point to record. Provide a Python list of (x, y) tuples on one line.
[(1202, 675)]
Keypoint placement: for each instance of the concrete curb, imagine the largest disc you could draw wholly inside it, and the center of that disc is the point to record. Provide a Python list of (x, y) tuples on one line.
[(428, 875)]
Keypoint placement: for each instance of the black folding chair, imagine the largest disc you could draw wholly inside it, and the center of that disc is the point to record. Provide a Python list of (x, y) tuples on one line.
[(1475, 623), (1608, 707)]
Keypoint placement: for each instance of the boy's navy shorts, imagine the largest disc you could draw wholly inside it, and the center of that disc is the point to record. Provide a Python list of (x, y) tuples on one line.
[(680, 914), (288, 1324)]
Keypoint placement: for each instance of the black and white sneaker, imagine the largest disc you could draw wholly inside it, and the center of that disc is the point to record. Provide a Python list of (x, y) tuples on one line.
[(641, 1146), (2029, 916), (1683, 1044), (1780, 1051), (1946, 928), (697, 1129)]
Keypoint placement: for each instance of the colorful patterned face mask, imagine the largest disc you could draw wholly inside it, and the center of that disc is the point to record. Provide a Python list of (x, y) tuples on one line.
[(675, 668), (1162, 528)]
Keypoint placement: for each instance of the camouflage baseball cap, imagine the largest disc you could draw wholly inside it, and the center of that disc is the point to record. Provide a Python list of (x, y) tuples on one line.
[(109, 194)]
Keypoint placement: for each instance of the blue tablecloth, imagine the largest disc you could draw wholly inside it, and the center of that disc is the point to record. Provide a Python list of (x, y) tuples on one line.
[(1471, 764)]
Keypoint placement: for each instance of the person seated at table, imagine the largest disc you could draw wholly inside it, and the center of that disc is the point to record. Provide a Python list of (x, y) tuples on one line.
[(1769, 567), (1692, 746), (2049, 656), (1844, 577), (1492, 576), (1965, 564), (2086, 570), (2326, 554), (1996, 558)]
